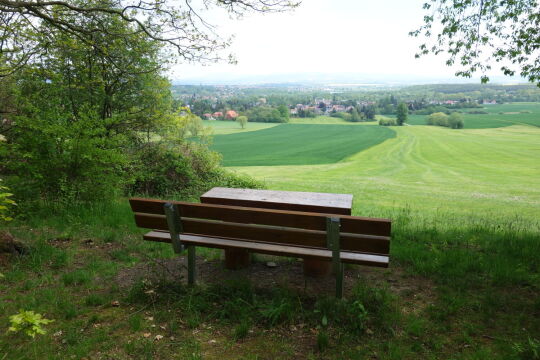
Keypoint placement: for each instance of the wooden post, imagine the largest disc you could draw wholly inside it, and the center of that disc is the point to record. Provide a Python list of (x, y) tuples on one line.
[(191, 265), (333, 243), (174, 222)]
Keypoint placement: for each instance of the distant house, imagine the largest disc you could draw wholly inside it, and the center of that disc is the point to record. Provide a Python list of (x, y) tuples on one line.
[(231, 115), (207, 116), (489, 102), (217, 114)]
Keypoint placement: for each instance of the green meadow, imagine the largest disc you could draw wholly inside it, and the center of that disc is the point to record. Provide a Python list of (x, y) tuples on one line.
[(298, 144), (498, 116)]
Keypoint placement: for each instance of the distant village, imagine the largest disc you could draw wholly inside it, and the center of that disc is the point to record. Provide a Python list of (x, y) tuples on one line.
[(319, 107)]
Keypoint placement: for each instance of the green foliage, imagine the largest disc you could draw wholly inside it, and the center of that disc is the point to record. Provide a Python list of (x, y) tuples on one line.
[(5, 203), (386, 121), (184, 169), (401, 113), (439, 119), (322, 340), (530, 350), (28, 322), (241, 330), (242, 120), (455, 121), (488, 31), (355, 116), (76, 115), (268, 114)]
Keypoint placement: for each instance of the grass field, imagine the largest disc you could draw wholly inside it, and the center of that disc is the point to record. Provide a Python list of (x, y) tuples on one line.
[(463, 283), (298, 144), (232, 127), (499, 116)]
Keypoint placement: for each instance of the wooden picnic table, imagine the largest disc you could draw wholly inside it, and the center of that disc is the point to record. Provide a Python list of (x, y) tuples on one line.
[(325, 203)]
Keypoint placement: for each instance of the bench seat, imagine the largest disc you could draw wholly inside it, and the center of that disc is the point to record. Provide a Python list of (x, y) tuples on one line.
[(271, 249)]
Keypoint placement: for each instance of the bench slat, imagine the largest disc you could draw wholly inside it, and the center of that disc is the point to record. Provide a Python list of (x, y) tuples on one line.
[(270, 234), (271, 249), (246, 215)]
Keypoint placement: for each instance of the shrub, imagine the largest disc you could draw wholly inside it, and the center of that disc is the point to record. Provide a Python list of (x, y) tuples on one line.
[(186, 169), (50, 156), (438, 118), (5, 203), (384, 121), (29, 322), (479, 112), (454, 121)]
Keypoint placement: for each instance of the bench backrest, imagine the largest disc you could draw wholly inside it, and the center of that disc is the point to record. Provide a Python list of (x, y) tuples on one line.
[(357, 234)]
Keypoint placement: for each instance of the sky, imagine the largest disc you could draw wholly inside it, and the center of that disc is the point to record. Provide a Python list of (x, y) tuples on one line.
[(325, 36)]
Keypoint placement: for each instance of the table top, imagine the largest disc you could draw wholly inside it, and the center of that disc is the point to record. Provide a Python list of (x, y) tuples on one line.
[(281, 200)]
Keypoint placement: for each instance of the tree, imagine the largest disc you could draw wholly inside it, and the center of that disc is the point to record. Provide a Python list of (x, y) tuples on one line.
[(369, 111), (179, 25), (455, 121), (477, 33), (402, 112), (242, 120), (355, 116), (284, 111), (438, 118), (76, 119)]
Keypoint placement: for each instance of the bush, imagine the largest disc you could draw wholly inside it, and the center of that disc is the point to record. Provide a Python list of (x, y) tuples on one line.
[(5, 203), (432, 109), (454, 121), (49, 156), (267, 114), (384, 121), (438, 118), (186, 169)]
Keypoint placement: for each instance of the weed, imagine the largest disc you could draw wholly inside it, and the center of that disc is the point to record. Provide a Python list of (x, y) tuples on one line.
[(95, 300), (529, 350), (28, 322), (135, 322), (322, 340), (241, 330), (77, 277)]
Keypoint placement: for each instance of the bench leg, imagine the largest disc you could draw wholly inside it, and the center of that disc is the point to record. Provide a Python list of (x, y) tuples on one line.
[(339, 280), (333, 243), (191, 265)]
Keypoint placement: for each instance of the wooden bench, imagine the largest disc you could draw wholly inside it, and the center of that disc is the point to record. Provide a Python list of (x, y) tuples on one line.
[(339, 238)]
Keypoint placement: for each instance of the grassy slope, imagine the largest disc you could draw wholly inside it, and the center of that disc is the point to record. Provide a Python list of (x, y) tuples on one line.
[(475, 173), (298, 144), (232, 127)]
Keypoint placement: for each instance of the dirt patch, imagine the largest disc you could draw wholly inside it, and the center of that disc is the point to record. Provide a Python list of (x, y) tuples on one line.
[(417, 292), (10, 247)]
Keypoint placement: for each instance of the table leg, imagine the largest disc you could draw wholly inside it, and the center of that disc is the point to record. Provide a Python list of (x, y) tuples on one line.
[(317, 268), (237, 259)]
